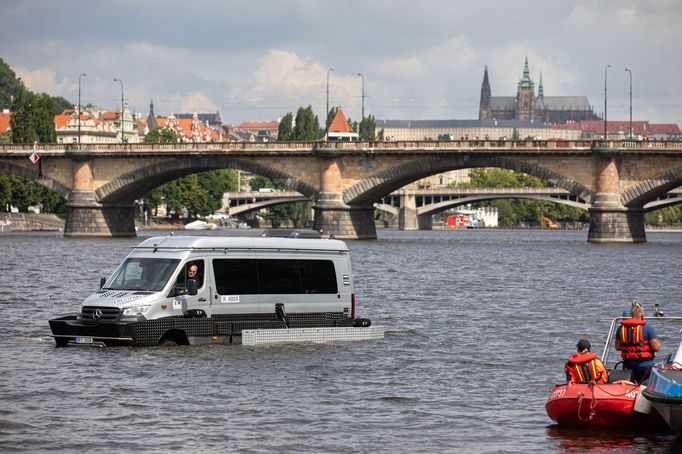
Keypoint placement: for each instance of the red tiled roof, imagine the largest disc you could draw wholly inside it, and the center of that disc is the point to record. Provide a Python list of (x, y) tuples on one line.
[(109, 116), (259, 125), (664, 128), (339, 123), (4, 121), (61, 120)]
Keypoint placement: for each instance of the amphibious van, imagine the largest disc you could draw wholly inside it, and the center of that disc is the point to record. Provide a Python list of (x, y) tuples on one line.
[(197, 290)]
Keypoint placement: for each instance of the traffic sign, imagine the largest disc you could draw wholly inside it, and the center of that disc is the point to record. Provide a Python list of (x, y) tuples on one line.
[(34, 157)]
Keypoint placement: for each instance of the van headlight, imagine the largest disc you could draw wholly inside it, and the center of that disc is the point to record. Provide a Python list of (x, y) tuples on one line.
[(135, 310)]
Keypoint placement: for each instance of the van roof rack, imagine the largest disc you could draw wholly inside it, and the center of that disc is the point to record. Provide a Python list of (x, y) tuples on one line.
[(291, 233)]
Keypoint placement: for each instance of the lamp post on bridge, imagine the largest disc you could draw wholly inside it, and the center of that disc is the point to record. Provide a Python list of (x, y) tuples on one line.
[(327, 111), (122, 119), (605, 123), (630, 73), (363, 95), (79, 107)]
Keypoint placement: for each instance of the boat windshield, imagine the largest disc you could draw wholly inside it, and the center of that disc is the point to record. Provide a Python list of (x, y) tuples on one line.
[(142, 274)]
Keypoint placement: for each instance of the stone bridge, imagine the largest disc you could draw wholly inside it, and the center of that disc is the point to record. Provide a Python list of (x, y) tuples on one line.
[(101, 182)]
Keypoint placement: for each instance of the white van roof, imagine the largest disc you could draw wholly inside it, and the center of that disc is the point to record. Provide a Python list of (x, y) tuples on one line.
[(166, 243)]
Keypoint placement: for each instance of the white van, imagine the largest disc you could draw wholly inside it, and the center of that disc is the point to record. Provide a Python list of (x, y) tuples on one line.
[(196, 290)]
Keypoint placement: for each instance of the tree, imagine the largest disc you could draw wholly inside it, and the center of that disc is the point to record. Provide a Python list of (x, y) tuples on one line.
[(307, 125), (5, 192), (33, 120), (285, 130), (367, 128), (161, 135), (9, 85)]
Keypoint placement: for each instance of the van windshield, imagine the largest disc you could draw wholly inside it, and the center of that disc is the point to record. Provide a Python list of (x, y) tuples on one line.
[(142, 274)]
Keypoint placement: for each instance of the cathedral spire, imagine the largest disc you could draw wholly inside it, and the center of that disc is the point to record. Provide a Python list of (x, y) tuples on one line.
[(541, 92), (484, 111), (526, 81)]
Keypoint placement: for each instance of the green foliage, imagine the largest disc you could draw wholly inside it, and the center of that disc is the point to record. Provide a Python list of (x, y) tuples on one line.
[(511, 212), (367, 128), (22, 193), (298, 213), (33, 120), (285, 131), (200, 194), (59, 105), (307, 125), (9, 85), (667, 216), (161, 135), (5, 192)]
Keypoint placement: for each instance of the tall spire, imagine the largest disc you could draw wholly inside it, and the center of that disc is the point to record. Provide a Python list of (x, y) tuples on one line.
[(541, 92), (484, 111), (525, 81), (151, 107)]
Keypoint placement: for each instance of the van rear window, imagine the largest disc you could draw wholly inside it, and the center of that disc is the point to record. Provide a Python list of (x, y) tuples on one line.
[(272, 276)]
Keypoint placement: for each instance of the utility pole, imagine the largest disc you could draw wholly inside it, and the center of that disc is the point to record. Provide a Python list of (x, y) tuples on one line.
[(605, 127), (122, 119), (327, 111), (79, 108), (630, 73), (363, 95)]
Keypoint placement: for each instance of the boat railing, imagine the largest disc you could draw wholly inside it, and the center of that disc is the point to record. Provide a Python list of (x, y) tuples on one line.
[(612, 330)]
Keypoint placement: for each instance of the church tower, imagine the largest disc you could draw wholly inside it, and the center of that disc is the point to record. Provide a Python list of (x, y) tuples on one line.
[(484, 110), (525, 96)]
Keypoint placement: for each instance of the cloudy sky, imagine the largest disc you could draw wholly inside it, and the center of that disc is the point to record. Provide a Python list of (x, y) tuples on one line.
[(259, 59)]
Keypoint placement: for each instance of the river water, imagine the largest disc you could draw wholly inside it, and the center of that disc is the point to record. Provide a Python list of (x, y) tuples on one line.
[(479, 325)]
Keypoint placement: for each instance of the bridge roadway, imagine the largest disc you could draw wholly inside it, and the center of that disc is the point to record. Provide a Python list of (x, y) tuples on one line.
[(344, 180), (414, 207)]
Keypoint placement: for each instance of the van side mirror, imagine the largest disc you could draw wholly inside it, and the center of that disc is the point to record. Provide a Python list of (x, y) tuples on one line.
[(102, 281), (191, 286)]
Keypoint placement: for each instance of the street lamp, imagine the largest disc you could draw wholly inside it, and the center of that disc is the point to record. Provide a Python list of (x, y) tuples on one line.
[(122, 120), (79, 107), (630, 73), (605, 128), (327, 112), (363, 95)]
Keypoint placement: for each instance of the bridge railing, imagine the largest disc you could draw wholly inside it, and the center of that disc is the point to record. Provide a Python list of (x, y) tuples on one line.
[(383, 146)]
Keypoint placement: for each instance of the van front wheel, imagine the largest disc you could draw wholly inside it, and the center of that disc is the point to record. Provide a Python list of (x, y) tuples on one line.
[(173, 337)]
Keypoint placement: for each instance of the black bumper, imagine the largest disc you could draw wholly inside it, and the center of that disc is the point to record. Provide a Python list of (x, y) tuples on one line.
[(69, 330)]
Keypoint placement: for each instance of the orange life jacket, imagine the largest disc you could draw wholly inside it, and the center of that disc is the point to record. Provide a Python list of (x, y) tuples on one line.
[(585, 367), (632, 342)]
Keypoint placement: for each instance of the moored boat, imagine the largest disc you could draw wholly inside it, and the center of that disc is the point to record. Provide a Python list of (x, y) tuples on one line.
[(599, 406), (665, 390), (619, 403)]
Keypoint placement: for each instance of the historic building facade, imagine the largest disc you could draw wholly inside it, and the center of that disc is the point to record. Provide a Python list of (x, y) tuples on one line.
[(527, 106)]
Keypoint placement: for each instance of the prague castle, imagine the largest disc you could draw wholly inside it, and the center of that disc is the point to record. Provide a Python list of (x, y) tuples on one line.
[(527, 106)]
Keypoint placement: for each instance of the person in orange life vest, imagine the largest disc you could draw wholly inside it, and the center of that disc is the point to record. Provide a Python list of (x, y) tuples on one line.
[(584, 366), (637, 344)]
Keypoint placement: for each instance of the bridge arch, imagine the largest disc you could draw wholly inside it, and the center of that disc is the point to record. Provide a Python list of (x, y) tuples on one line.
[(447, 204), (34, 175), (650, 189), (132, 185), (382, 183)]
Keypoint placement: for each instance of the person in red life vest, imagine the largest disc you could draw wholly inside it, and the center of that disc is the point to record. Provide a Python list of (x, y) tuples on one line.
[(637, 344), (584, 366)]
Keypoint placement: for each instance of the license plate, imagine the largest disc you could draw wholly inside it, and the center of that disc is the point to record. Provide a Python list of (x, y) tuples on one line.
[(84, 340)]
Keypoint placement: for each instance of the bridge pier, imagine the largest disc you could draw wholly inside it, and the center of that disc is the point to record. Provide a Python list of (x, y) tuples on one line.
[(407, 216), (610, 220), (334, 217), (85, 216)]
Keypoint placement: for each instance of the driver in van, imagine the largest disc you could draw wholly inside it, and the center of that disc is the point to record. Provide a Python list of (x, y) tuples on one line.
[(192, 272)]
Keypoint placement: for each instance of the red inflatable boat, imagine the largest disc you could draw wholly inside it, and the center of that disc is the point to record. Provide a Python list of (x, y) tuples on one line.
[(601, 406)]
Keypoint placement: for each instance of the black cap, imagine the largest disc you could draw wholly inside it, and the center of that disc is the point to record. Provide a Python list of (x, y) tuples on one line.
[(583, 344)]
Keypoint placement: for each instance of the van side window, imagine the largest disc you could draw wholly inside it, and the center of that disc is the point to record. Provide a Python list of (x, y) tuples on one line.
[(272, 276), (236, 277), (318, 276)]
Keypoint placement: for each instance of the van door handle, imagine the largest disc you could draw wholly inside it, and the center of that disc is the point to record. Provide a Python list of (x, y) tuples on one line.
[(202, 300)]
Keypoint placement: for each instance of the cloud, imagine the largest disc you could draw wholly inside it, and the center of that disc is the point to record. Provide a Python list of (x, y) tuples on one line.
[(43, 80)]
